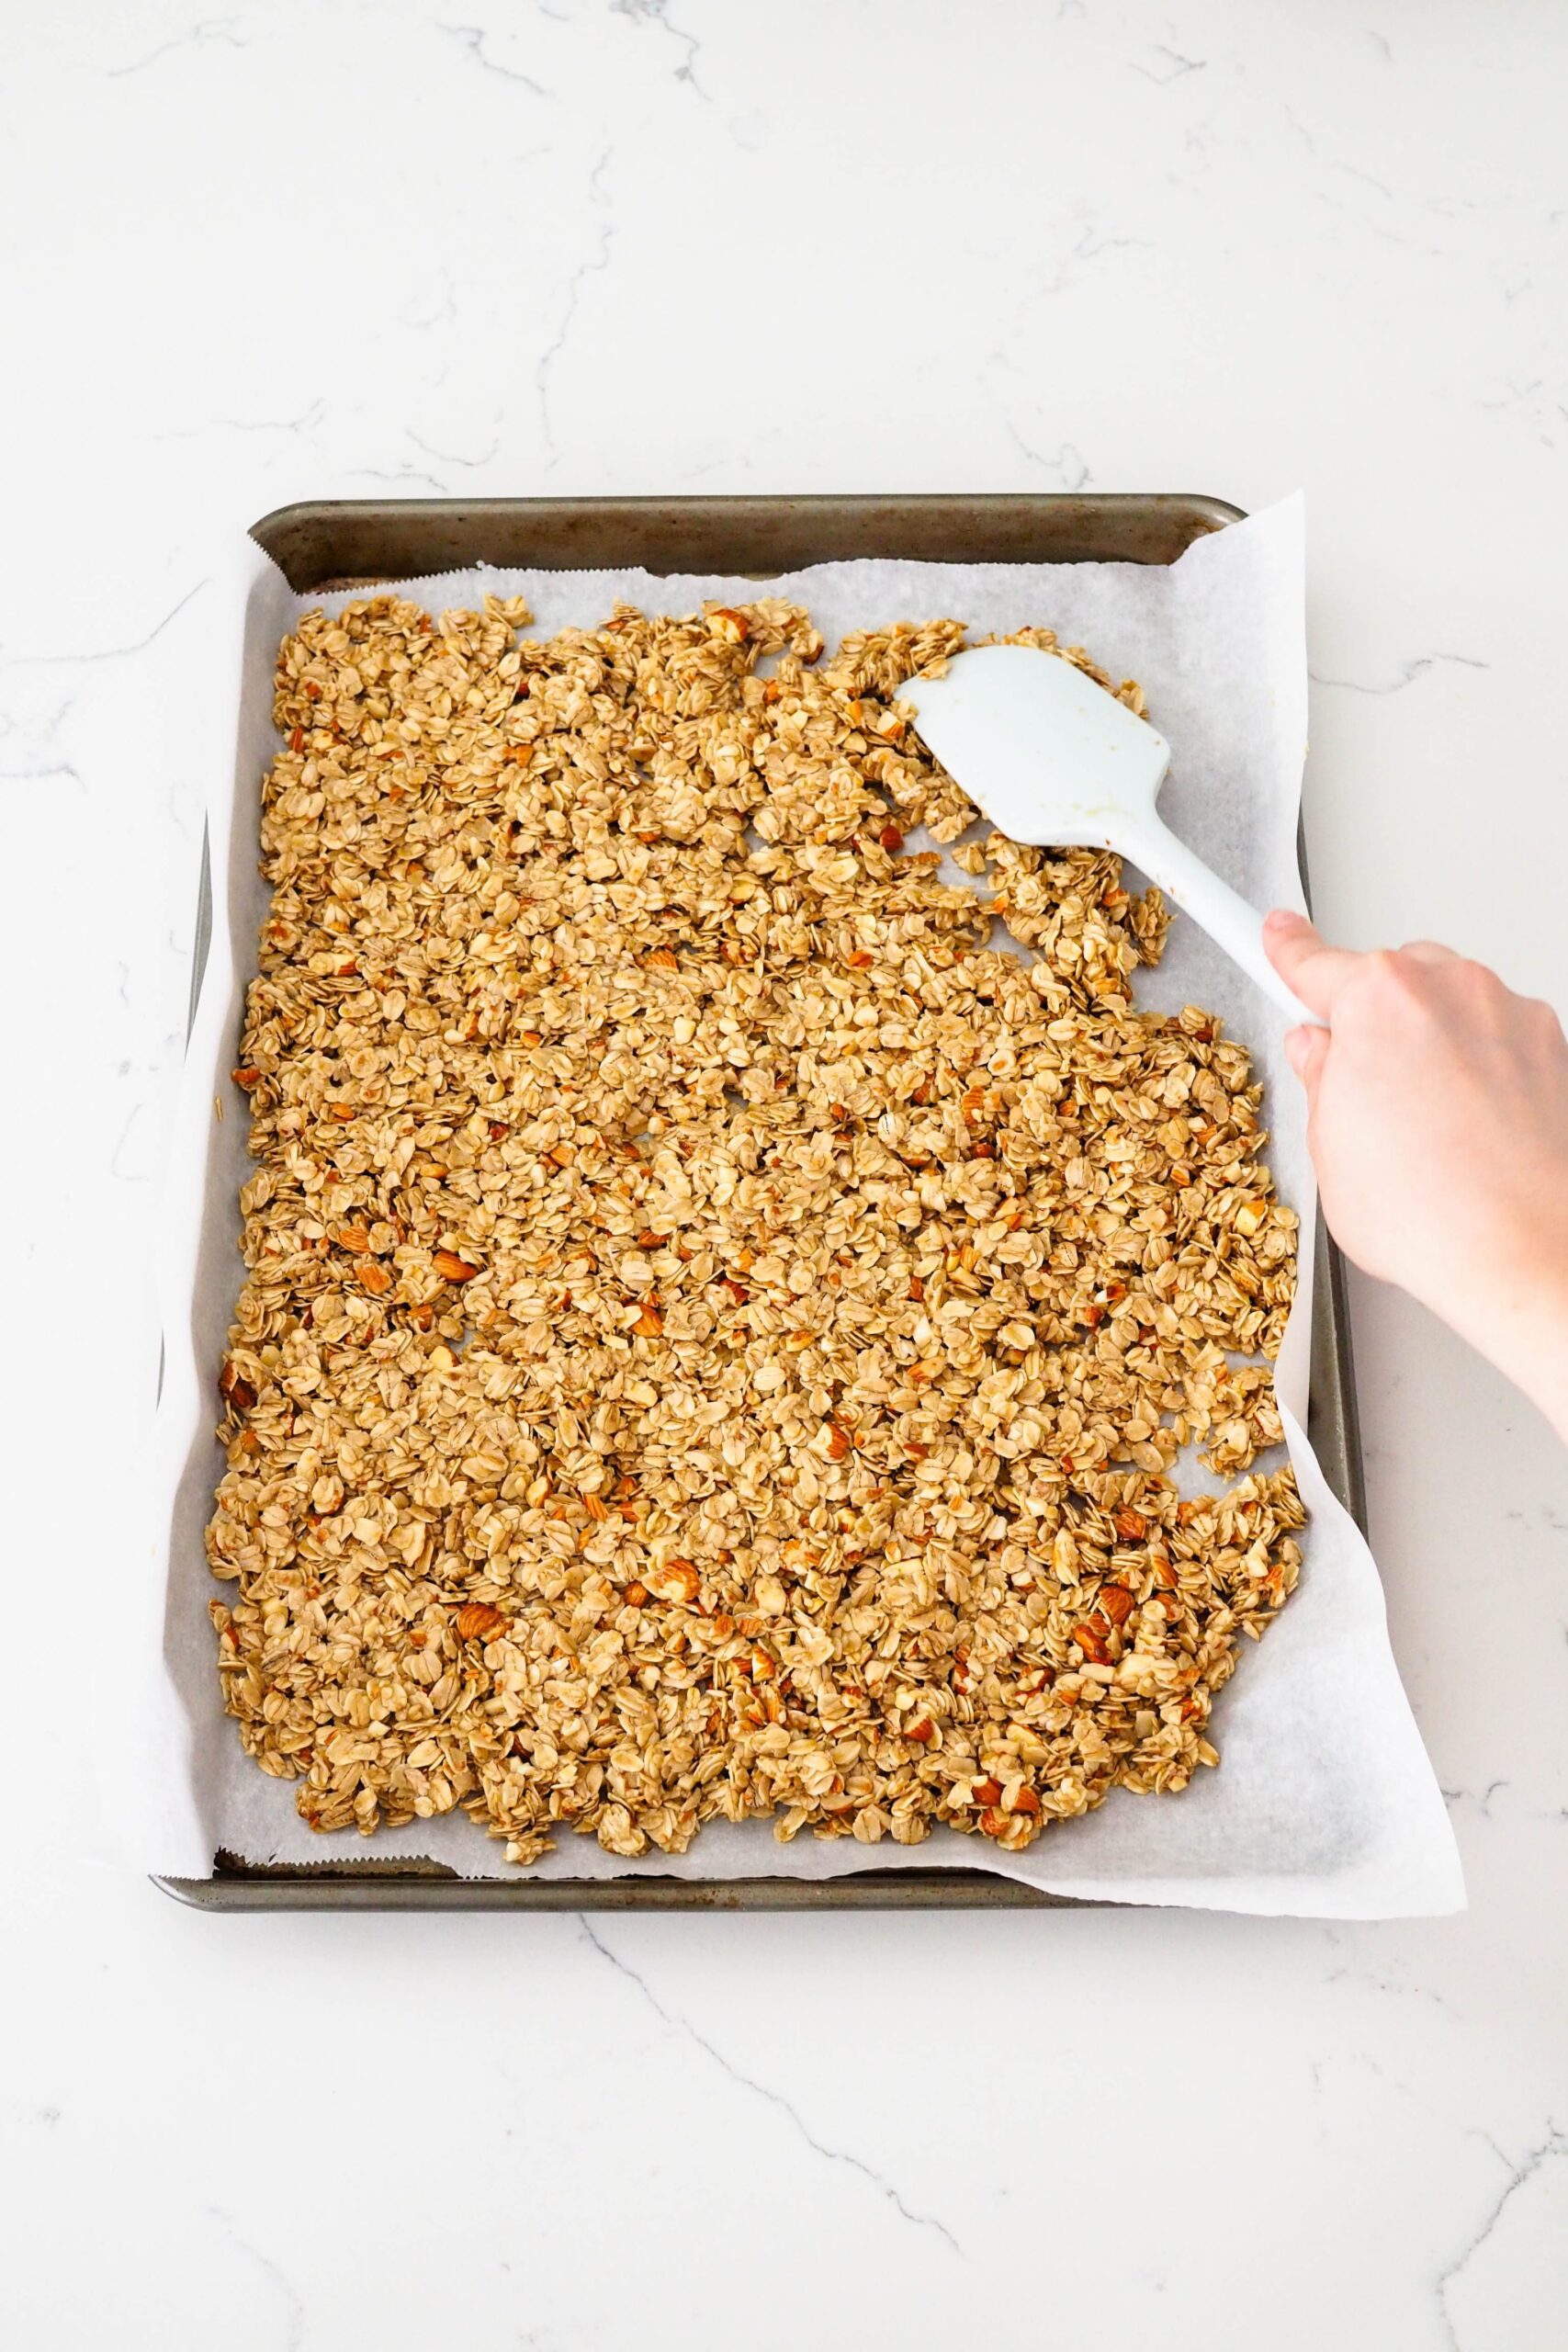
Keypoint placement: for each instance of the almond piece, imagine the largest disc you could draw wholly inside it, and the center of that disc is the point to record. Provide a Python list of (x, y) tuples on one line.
[(676, 1580), (476, 1621), (451, 1268), (1090, 1636)]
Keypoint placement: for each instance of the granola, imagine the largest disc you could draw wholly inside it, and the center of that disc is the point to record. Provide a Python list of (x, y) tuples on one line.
[(720, 1324)]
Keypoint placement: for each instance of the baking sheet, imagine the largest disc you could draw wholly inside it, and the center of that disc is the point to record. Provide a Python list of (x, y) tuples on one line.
[(1324, 1803)]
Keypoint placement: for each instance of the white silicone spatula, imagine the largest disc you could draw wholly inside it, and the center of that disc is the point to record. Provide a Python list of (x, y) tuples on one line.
[(1058, 762)]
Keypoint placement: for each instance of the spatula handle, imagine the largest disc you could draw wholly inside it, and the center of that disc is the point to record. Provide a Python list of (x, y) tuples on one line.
[(1226, 917)]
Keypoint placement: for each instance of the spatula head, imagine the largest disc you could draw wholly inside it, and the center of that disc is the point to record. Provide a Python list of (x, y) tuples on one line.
[(1051, 758)]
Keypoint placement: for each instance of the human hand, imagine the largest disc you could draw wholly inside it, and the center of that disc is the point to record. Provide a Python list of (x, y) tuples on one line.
[(1437, 1122)]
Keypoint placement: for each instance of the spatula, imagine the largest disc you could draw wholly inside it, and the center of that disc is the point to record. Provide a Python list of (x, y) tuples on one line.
[(1058, 762)]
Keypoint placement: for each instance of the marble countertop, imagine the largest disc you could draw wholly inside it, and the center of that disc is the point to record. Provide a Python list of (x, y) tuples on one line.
[(323, 246)]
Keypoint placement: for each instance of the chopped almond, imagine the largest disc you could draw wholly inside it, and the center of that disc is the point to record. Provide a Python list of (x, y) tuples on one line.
[(476, 1621), (451, 1268), (676, 1580), (1092, 1634)]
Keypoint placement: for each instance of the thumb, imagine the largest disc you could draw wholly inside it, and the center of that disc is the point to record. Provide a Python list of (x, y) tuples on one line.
[(1306, 1051)]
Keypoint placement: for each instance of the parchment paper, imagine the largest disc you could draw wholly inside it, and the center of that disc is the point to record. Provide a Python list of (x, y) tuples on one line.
[(1324, 1803)]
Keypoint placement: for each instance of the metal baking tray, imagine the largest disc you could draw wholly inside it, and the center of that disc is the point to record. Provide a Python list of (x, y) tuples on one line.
[(336, 543)]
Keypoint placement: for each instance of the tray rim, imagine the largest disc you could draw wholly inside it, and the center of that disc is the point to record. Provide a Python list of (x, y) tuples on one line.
[(1188, 515), (393, 1884)]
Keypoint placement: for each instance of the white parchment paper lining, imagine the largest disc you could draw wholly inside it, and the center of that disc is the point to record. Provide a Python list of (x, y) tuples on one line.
[(1324, 1803)]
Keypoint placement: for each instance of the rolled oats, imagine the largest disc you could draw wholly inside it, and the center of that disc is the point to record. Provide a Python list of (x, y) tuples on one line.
[(718, 1325)]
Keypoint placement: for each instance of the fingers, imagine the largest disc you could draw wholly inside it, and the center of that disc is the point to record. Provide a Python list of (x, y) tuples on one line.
[(1316, 971), (1306, 1051), (1428, 950)]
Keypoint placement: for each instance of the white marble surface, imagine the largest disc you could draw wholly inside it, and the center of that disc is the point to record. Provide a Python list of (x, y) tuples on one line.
[(339, 246)]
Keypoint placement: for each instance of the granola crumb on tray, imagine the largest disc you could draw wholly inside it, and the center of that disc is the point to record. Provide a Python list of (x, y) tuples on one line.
[(717, 1329)]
